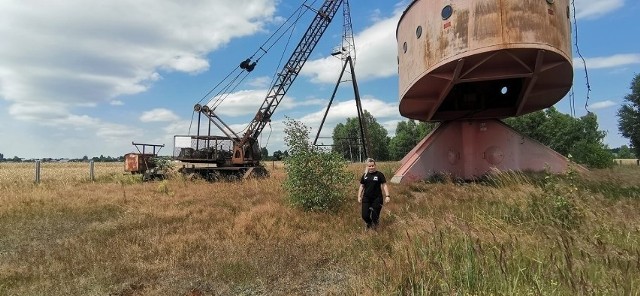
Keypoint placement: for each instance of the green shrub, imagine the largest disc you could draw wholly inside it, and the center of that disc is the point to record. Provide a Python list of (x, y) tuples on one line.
[(594, 155), (556, 204), (316, 180)]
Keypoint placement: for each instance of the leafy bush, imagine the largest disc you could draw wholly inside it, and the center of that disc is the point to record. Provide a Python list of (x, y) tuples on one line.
[(579, 137), (593, 155), (316, 180), (557, 204)]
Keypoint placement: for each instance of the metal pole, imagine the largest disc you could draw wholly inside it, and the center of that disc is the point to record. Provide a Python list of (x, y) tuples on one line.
[(363, 130), (209, 134), (198, 132), (37, 171), (333, 95), (91, 175)]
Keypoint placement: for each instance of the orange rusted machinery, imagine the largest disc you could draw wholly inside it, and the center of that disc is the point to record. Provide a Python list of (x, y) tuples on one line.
[(468, 63), (144, 162), (136, 163)]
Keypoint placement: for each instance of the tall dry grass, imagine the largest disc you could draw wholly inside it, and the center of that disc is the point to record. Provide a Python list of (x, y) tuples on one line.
[(513, 234), (71, 172)]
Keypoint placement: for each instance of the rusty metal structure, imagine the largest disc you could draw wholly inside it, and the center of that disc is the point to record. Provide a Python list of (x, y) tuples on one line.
[(238, 154), (144, 161), (468, 63)]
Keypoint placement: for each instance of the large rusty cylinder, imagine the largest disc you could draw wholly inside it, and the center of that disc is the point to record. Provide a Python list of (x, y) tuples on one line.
[(470, 59)]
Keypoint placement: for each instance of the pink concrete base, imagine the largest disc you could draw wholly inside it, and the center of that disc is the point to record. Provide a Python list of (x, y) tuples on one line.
[(471, 148)]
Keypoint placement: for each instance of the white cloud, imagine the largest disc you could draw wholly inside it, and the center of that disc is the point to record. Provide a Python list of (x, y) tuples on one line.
[(61, 59), (608, 62), (260, 82), (376, 55), (602, 105), (189, 63), (340, 111), (109, 48), (592, 9), (376, 15), (178, 127), (244, 102), (247, 102), (116, 132), (158, 115), (272, 136)]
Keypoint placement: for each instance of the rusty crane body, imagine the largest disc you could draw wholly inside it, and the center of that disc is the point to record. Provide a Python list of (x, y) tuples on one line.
[(234, 154)]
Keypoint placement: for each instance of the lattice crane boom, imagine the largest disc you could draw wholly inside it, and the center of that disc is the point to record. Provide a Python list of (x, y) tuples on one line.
[(244, 153), (290, 71)]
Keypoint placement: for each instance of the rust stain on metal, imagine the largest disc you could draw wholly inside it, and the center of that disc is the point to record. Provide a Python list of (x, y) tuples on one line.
[(428, 54), (462, 30), (525, 19), (486, 15)]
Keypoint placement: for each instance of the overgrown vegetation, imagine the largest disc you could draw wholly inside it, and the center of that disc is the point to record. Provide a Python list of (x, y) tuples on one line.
[(316, 180), (513, 234), (347, 140), (629, 116), (579, 138)]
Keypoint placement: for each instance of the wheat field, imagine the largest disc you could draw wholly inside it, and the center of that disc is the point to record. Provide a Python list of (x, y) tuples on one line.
[(513, 234), (24, 172)]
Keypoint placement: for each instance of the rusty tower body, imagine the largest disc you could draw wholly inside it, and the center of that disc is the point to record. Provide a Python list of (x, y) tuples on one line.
[(469, 63)]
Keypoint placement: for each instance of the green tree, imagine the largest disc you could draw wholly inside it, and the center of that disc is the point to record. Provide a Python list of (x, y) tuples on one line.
[(629, 116), (408, 134), (264, 153), (578, 137), (590, 149), (278, 155), (624, 152), (530, 125), (425, 128), (316, 180), (346, 139)]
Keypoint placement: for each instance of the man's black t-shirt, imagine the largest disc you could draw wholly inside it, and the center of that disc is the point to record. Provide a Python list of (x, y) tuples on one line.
[(372, 186)]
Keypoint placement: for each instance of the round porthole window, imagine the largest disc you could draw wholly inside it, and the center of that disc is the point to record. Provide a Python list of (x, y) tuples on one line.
[(447, 11), (404, 47), (418, 31)]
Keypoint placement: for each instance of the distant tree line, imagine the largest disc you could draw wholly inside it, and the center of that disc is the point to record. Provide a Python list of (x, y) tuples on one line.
[(347, 142), (624, 152), (277, 155), (578, 138), (85, 158)]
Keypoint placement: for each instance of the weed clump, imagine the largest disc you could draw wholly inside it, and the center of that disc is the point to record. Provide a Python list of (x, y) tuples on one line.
[(316, 180)]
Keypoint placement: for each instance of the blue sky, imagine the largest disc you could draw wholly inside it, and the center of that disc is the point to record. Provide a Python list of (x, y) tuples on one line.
[(81, 77)]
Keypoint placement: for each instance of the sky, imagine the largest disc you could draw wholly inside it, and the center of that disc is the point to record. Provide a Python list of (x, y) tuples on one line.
[(87, 77)]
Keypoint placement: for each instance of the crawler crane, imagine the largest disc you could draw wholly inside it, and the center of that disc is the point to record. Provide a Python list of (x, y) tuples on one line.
[(235, 155)]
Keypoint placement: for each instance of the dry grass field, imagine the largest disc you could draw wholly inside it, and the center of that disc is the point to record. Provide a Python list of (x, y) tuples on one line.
[(513, 234), (51, 172)]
